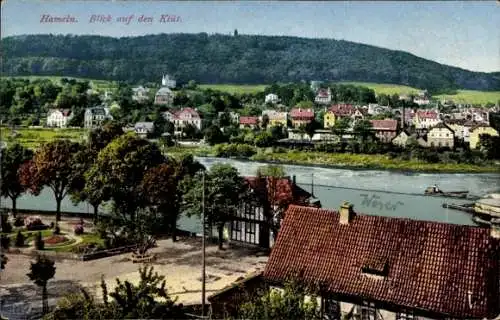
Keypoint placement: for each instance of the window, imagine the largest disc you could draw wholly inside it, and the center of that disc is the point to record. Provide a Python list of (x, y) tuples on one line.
[(366, 311), (406, 315)]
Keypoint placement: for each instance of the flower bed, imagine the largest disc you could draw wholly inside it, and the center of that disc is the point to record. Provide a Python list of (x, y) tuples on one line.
[(55, 240)]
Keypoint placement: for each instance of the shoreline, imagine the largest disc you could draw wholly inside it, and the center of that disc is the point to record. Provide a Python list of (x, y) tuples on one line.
[(397, 166)]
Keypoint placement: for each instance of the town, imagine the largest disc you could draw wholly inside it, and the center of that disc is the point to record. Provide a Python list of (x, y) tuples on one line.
[(206, 160)]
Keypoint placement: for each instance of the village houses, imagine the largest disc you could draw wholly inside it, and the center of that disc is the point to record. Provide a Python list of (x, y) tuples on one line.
[(94, 117), (164, 96), (422, 98), (181, 118), (426, 119), (441, 136), (377, 267), (271, 98), (59, 118), (323, 96), (401, 139), (140, 94), (301, 117), (477, 131), (276, 118), (385, 130), (337, 111), (144, 129), (249, 122)]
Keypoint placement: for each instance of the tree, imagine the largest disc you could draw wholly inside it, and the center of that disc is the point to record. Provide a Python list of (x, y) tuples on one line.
[(265, 122), (213, 135), (12, 159), (341, 125), (127, 301), (52, 166), (223, 189), (101, 137), (287, 305), (119, 170), (42, 270), (311, 127), (364, 128), (276, 171), (159, 186)]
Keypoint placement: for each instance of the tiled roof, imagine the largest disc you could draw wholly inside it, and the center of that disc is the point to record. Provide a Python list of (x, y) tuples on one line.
[(431, 266), (279, 190), (179, 115), (249, 120), (342, 109), (427, 114), (442, 125), (387, 124), (301, 113)]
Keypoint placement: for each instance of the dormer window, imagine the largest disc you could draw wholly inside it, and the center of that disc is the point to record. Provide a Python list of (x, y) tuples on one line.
[(376, 268)]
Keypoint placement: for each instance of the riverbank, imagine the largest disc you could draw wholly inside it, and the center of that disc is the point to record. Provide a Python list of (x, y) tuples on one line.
[(344, 161)]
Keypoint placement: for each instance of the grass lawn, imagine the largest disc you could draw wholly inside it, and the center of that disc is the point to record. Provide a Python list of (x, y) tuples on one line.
[(471, 96), (32, 138), (384, 88), (28, 235), (235, 88)]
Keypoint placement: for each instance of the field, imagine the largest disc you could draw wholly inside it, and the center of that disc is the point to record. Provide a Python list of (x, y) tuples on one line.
[(32, 138), (383, 88), (474, 97)]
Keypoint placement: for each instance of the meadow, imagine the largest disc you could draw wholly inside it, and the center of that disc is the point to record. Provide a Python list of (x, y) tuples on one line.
[(235, 88), (32, 138)]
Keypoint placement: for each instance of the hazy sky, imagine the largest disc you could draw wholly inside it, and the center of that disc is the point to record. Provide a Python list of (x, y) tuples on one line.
[(464, 34)]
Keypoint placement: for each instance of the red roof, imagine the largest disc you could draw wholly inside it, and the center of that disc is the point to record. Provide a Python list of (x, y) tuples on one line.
[(388, 124), (302, 113), (426, 114), (430, 266), (279, 190), (249, 120), (181, 114), (342, 109), (323, 93)]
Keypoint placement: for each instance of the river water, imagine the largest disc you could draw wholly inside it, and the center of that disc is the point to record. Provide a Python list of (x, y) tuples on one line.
[(373, 192)]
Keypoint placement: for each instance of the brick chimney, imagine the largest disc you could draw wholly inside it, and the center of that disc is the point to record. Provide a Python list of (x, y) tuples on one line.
[(495, 229), (346, 213)]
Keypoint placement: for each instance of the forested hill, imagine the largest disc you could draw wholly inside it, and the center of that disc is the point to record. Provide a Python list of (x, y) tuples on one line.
[(241, 59)]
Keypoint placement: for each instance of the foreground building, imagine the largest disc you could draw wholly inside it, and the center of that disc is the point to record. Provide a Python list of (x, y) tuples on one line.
[(374, 267)]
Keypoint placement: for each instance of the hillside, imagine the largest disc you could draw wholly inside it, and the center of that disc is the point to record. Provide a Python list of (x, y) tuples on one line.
[(241, 59)]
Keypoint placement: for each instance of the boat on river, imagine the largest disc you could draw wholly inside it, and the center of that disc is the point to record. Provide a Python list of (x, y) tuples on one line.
[(436, 192), (468, 207)]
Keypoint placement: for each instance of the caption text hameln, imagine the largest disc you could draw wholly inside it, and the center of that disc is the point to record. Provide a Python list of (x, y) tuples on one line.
[(108, 19)]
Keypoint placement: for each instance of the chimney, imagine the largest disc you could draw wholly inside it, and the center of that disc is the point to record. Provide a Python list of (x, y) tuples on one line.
[(495, 229), (294, 180), (346, 213)]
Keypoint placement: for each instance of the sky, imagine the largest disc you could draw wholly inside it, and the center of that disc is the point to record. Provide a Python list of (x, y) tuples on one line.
[(463, 34)]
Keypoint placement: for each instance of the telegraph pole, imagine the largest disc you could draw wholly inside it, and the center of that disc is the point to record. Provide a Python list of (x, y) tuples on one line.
[(203, 248)]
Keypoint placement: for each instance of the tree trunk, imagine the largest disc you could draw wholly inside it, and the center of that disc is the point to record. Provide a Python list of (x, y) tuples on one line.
[(58, 209), (220, 230), (45, 303), (14, 206), (96, 213), (173, 228)]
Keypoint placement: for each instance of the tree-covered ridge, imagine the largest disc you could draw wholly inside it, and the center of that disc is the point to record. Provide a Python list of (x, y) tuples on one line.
[(248, 59)]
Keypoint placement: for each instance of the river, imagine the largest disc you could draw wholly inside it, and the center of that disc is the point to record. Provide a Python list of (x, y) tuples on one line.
[(374, 192)]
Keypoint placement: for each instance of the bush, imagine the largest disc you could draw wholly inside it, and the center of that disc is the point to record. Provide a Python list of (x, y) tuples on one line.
[(19, 239), (39, 244), (78, 229), (19, 222), (34, 223), (57, 230)]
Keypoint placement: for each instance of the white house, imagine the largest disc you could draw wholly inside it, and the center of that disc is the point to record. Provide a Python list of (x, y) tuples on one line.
[(59, 118), (272, 98), (140, 93), (186, 116), (323, 96), (142, 129), (94, 117), (168, 82), (426, 119)]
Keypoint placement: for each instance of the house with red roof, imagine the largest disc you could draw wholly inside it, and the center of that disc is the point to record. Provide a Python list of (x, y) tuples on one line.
[(186, 116), (301, 117), (249, 122), (385, 130), (377, 267), (270, 197), (336, 112), (426, 119)]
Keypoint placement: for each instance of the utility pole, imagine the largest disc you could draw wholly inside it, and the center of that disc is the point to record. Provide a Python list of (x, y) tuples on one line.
[(203, 248)]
